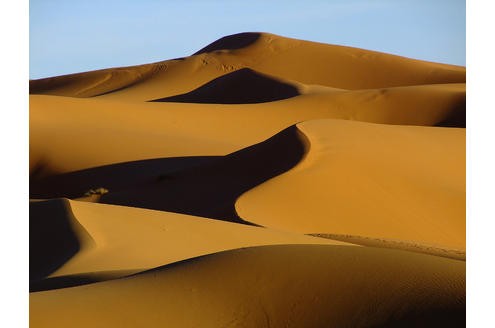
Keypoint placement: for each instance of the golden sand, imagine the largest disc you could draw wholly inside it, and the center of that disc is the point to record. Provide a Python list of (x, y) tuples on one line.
[(261, 182)]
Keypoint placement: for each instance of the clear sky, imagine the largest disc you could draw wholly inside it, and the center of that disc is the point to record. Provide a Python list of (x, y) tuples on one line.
[(68, 36)]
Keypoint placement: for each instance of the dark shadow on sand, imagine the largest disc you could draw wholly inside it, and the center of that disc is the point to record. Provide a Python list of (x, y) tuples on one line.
[(243, 86), (52, 238), (211, 190), (112, 177), (456, 118), (231, 42)]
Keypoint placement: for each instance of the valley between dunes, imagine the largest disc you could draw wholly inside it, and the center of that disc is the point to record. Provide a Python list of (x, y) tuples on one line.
[(262, 181)]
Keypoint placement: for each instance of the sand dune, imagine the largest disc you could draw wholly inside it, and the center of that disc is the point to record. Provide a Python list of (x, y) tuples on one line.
[(262, 181), (243, 86), (328, 65), (382, 181), (177, 130), (113, 241), (272, 286)]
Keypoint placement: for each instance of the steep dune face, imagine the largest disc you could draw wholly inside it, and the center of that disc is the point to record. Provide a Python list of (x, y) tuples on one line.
[(362, 179), (322, 286), (55, 236), (341, 171), (243, 86), (211, 190), (113, 241)]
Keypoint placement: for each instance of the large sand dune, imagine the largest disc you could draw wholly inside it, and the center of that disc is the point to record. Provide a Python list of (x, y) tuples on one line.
[(262, 181), (271, 286)]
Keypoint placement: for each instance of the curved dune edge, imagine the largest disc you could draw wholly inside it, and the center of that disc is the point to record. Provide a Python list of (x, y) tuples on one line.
[(328, 65), (125, 240), (455, 254), (243, 86), (408, 184), (211, 190), (55, 236), (207, 129), (231, 42), (375, 287)]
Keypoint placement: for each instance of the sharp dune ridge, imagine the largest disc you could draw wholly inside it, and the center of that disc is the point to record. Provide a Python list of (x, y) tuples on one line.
[(262, 181), (128, 240), (212, 189)]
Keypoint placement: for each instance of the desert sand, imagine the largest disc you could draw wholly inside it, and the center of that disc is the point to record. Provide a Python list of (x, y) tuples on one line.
[(262, 181)]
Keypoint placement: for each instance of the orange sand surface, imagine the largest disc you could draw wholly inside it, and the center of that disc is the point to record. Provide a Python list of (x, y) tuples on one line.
[(261, 182)]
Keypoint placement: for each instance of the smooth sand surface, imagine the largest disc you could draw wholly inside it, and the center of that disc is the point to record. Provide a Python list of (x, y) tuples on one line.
[(303, 61), (271, 286), (106, 132), (115, 241), (262, 181), (371, 180)]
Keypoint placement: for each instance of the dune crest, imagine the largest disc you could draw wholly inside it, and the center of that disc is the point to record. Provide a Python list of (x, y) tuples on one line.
[(231, 42), (243, 86), (328, 65), (212, 189), (55, 236), (370, 180), (110, 241)]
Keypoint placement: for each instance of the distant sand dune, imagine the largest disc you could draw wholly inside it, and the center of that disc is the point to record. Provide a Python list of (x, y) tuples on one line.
[(231, 42), (96, 82), (303, 61), (243, 86)]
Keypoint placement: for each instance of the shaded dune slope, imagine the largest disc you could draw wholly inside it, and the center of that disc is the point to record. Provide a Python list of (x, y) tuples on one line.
[(231, 42), (387, 288), (75, 243), (55, 236), (212, 189), (243, 86), (111, 177)]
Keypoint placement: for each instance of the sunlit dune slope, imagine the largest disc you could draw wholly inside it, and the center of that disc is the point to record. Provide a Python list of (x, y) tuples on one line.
[(262, 181), (107, 132), (373, 180), (346, 178), (109, 241), (303, 61), (271, 286)]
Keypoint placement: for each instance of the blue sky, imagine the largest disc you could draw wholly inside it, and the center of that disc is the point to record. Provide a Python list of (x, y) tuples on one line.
[(76, 35)]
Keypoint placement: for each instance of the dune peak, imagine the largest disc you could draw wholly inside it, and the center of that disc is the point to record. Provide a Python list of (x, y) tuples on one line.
[(231, 42)]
